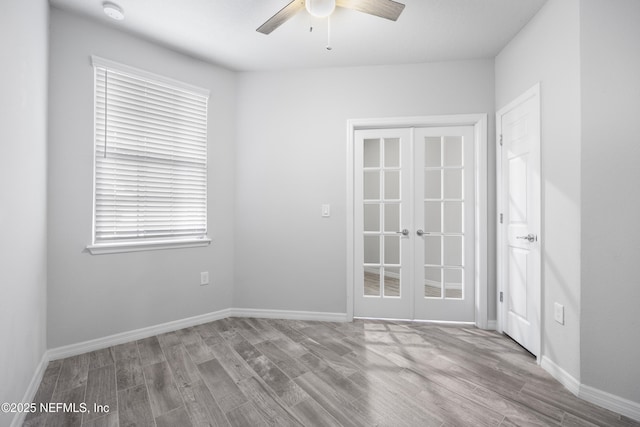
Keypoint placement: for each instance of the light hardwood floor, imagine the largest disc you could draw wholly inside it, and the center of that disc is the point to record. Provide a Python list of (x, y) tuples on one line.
[(255, 372)]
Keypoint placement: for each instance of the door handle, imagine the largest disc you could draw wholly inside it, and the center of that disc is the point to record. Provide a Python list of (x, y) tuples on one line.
[(404, 232), (421, 233), (530, 237)]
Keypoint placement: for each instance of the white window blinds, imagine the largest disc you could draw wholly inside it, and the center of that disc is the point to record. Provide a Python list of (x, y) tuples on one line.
[(150, 158)]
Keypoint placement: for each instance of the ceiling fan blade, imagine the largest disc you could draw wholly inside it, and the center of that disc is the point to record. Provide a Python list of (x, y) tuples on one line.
[(387, 9), (281, 17)]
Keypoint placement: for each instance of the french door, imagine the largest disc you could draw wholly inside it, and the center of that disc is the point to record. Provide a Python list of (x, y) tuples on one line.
[(414, 223)]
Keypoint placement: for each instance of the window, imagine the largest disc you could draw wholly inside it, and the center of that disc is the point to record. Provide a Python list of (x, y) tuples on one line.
[(150, 162)]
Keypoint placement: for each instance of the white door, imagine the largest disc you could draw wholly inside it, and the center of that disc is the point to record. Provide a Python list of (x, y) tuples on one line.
[(519, 216), (383, 223), (414, 223), (444, 200)]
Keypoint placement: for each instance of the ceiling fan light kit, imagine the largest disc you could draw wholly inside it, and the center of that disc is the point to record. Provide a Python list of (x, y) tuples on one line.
[(320, 8)]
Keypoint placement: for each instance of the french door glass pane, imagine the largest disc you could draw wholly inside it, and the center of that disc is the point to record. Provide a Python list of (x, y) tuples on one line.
[(392, 281), (371, 153), (392, 185), (432, 151), (371, 217), (392, 152), (453, 283), (433, 282), (372, 249), (452, 217), (452, 151), (391, 217), (372, 282), (392, 250), (372, 185), (432, 217), (433, 250), (453, 184), (433, 184), (452, 250)]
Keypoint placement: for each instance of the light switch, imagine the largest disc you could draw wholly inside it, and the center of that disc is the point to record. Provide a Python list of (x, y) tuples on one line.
[(326, 211), (204, 278)]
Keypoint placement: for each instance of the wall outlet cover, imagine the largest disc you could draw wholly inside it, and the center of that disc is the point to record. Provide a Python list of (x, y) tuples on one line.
[(558, 313)]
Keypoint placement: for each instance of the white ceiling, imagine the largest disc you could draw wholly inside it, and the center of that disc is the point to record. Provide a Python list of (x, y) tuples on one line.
[(224, 31)]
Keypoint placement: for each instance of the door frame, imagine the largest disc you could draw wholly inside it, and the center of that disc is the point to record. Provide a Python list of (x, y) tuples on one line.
[(479, 123), (533, 92)]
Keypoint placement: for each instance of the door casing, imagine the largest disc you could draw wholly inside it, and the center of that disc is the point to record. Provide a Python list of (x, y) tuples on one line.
[(479, 122)]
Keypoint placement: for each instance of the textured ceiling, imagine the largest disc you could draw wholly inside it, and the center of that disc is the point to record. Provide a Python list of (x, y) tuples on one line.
[(224, 31)]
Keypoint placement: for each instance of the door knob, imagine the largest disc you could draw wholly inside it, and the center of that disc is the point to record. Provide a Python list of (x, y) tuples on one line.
[(530, 237), (421, 233), (404, 232)]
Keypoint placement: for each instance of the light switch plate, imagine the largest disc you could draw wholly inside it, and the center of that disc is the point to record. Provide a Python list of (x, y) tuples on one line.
[(326, 211), (558, 313), (204, 278)]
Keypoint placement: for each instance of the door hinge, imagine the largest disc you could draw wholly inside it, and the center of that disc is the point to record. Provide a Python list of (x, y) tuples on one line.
[(501, 218), (501, 140), (500, 296)]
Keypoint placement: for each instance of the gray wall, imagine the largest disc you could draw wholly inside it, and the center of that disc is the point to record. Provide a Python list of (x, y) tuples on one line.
[(610, 82), (284, 255), (547, 50), (585, 54), (96, 296), (292, 147), (23, 195)]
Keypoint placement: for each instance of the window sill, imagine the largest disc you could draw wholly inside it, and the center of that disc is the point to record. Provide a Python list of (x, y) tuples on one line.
[(115, 248)]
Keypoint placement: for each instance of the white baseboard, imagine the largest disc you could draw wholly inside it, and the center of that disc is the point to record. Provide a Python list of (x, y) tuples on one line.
[(435, 322), (492, 325), (124, 337), (563, 377), (18, 419), (289, 314), (596, 396), (610, 401)]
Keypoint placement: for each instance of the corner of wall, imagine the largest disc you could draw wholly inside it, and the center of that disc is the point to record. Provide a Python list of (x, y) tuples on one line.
[(547, 51), (23, 211)]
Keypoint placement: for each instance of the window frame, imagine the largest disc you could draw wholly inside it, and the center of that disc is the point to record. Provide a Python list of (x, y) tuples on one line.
[(143, 244)]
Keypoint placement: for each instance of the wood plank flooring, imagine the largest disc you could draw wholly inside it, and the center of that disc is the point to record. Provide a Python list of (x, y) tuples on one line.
[(391, 288), (258, 372)]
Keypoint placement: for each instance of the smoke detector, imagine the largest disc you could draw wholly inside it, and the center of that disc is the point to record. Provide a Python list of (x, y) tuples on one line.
[(113, 11)]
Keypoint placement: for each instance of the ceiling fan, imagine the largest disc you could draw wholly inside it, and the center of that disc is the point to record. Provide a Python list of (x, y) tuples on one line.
[(387, 9)]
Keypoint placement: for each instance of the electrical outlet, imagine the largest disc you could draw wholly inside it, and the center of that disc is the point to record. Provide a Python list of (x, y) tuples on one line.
[(204, 278), (558, 313)]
